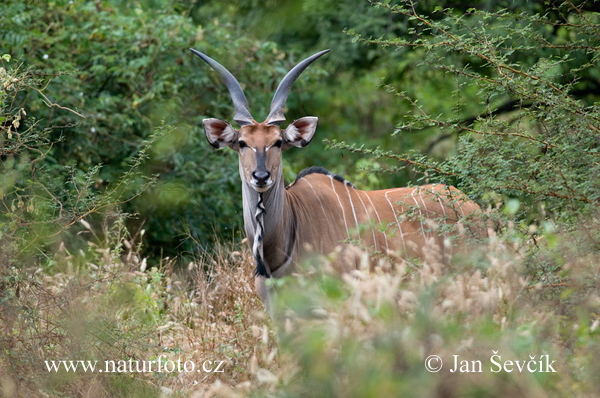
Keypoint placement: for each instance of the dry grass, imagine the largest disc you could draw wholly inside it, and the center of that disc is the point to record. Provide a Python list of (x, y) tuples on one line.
[(224, 321), (357, 334)]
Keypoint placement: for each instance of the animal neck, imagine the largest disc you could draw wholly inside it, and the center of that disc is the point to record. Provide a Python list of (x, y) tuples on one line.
[(276, 247)]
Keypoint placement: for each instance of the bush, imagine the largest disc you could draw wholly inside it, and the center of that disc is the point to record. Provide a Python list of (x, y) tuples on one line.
[(530, 156), (522, 136), (124, 71), (534, 137)]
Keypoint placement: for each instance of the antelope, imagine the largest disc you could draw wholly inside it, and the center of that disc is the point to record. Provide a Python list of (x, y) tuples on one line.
[(320, 210)]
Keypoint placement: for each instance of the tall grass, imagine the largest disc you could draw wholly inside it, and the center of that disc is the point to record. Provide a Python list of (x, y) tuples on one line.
[(358, 334)]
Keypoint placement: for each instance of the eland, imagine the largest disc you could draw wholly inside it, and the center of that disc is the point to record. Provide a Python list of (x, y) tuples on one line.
[(321, 211)]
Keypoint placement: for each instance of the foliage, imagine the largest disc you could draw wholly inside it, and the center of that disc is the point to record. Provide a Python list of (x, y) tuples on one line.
[(501, 102), (42, 278), (105, 304), (416, 61), (531, 150), (368, 333), (130, 71), (133, 71), (365, 333), (40, 199), (84, 305), (530, 155), (532, 138)]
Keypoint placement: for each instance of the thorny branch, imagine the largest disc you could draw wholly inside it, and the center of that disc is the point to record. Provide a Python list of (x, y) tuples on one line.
[(501, 67)]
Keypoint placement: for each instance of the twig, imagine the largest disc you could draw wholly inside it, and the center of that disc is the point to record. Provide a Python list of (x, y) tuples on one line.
[(549, 285), (51, 104)]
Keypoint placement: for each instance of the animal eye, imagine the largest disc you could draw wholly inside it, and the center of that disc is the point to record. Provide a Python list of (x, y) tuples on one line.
[(242, 144), (278, 144)]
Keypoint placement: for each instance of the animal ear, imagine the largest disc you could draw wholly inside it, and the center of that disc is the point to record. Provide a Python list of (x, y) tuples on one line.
[(301, 131), (219, 133)]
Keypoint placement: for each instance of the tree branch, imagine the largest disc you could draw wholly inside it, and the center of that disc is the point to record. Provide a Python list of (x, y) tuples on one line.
[(506, 107)]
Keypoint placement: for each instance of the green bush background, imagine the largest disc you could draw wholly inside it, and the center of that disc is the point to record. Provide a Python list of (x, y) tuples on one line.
[(104, 160), (126, 69)]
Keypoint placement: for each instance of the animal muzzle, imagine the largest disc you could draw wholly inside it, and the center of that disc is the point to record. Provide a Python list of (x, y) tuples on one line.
[(261, 180)]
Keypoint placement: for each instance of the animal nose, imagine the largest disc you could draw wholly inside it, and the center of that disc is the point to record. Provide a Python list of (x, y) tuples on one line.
[(261, 177)]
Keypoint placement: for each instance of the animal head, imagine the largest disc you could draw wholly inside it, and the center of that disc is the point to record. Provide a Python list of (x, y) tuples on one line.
[(260, 145)]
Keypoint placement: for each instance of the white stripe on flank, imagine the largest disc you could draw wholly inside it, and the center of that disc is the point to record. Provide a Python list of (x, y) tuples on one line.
[(379, 220), (424, 205), (443, 208), (353, 211), (461, 210), (459, 203), (426, 211), (397, 222), (368, 217), (318, 198), (341, 205), (445, 222), (420, 216)]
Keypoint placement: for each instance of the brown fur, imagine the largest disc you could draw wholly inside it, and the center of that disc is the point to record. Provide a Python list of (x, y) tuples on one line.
[(323, 208)]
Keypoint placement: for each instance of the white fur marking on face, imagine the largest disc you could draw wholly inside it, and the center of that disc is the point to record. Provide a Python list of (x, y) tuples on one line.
[(270, 146)]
